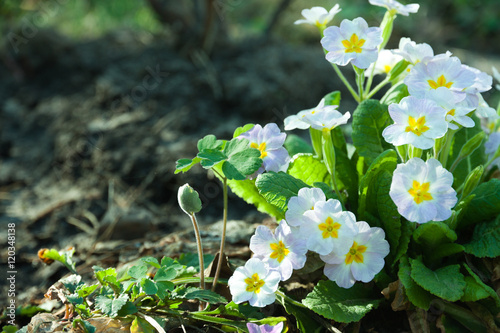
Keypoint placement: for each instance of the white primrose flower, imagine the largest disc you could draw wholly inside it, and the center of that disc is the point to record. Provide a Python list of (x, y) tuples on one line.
[(326, 119), (422, 191), (298, 121), (496, 75), (330, 228), (396, 7), (352, 41), (485, 111), (448, 72), (454, 105), (269, 141), (318, 16), (282, 250), (303, 202), (413, 52), (363, 261), (254, 283), (417, 122), (386, 61)]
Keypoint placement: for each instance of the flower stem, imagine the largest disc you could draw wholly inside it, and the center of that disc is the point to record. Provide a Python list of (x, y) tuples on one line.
[(290, 300), (346, 83), (200, 250), (223, 236), (377, 87), (330, 160), (360, 76)]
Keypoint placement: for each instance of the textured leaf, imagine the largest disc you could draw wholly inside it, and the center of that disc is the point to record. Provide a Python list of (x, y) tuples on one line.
[(308, 169), (332, 98), (486, 204), (110, 307), (240, 130), (304, 317), (242, 164), (294, 144), (339, 304), (200, 294), (347, 176), (140, 325), (433, 234), (85, 291), (368, 121), (128, 309), (184, 164), (247, 190), (278, 188), (416, 295), (485, 241), (209, 142), (151, 261), (446, 282), (473, 291), (148, 286), (210, 157), (388, 212), (138, 271), (387, 161), (165, 273), (480, 284)]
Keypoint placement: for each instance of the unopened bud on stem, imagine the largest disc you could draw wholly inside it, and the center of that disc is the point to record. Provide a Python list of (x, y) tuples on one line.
[(189, 200)]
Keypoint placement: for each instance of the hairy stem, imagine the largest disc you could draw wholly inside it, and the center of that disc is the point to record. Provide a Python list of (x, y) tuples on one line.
[(223, 236)]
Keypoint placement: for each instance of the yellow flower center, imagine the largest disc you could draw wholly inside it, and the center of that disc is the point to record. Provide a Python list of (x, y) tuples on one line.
[(416, 126), (451, 112), (279, 251), (329, 228), (354, 44), (355, 254), (420, 192), (261, 148), (441, 82), (254, 283), (387, 69)]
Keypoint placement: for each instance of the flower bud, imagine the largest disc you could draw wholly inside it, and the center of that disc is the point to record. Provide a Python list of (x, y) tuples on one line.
[(472, 180), (470, 146), (189, 200), (316, 136)]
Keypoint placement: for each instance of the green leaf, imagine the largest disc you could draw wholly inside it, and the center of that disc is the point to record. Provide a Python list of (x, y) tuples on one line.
[(448, 324), (165, 273), (191, 260), (247, 190), (304, 317), (242, 164), (140, 325), (240, 130), (204, 295), (388, 211), (444, 250), (164, 287), (9, 329), (72, 282), (446, 282), (368, 121), (404, 241), (209, 142), (85, 291), (432, 234), (332, 98), (473, 291), (347, 177), (85, 325), (278, 188), (398, 69), (485, 240), (294, 144), (479, 284), (309, 169), (339, 304), (387, 161), (75, 299), (486, 203), (152, 261), (138, 271), (416, 295), (101, 274), (128, 309), (210, 157), (148, 286), (184, 164), (110, 307)]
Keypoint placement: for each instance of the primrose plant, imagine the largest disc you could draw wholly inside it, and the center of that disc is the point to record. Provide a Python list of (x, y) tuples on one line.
[(409, 203)]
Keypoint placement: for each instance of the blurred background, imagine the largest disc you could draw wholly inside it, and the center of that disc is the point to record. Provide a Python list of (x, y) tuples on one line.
[(98, 99)]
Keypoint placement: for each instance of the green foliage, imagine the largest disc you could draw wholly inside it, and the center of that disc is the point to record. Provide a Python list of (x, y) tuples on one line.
[(304, 317), (446, 282), (140, 325), (485, 241), (309, 169), (388, 212), (368, 121), (476, 289), (111, 306), (278, 188), (432, 234), (339, 304), (417, 295), (485, 205), (296, 145), (63, 256), (198, 294), (395, 94)]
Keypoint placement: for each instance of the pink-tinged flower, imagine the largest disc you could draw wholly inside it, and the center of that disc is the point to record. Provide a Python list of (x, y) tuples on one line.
[(422, 191), (330, 228), (269, 141), (363, 261), (254, 328), (386, 61), (456, 109), (303, 202), (318, 16), (417, 122), (254, 283), (282, 250), (413, 52), (448, 72), (395, 7), (353, 41)]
